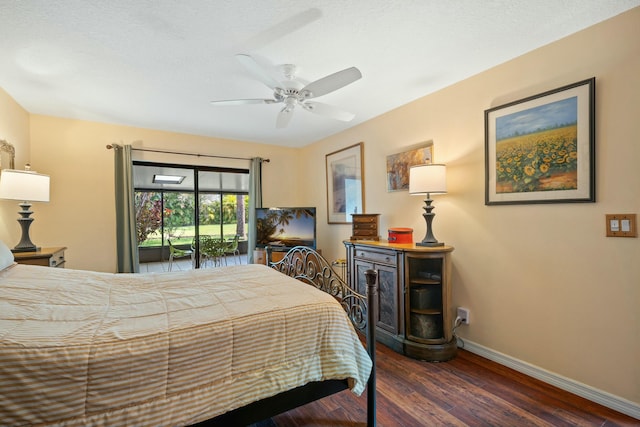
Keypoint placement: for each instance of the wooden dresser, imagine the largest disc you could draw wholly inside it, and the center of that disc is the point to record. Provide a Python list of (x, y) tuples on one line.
[(48, 257), (415, 316), (365, 227)]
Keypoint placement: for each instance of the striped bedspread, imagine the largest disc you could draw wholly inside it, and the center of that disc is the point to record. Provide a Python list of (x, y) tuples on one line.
[(84, 348)]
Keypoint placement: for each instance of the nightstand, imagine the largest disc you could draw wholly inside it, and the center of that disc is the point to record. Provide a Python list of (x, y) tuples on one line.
[(48, 257)]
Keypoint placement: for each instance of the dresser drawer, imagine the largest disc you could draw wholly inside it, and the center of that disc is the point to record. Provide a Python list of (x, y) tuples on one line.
[(365, 226), (365, 235), (386, 257), (365, 219), (57, 260), (46, 257), (370, 233)]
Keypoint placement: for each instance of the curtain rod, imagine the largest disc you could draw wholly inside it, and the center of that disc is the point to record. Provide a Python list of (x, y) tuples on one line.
[(110, 146)]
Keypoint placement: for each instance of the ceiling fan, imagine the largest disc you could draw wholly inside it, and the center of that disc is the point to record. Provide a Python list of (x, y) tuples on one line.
[(292, 92)]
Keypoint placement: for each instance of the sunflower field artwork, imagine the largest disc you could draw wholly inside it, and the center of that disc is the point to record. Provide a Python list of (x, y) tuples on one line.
[(537, 149), (541, 149)]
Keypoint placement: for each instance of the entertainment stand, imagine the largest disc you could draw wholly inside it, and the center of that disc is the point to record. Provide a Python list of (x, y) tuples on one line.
[(277, 254)]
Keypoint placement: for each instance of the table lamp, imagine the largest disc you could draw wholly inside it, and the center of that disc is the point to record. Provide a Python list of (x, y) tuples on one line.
[(26, 186), (428, 179)]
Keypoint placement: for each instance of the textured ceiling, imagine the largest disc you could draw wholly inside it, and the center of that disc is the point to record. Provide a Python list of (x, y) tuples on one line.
[(158, 63)]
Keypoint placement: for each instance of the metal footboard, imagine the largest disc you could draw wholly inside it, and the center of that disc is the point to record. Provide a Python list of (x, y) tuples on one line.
[(307, 265)]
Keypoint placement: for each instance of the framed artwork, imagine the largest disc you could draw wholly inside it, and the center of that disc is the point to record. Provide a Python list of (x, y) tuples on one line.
[(398, 165), (345, 184), (7, 155), (541, 149)]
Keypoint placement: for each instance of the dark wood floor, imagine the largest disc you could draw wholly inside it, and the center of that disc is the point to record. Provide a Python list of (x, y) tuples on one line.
[(466, 391)]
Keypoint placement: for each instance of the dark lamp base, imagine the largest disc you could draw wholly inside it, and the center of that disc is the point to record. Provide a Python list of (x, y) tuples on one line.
[(430, 244), (25, 220), (26, 249)]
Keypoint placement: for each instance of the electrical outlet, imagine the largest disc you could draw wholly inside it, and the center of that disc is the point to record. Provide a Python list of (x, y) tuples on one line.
[(463, 313)]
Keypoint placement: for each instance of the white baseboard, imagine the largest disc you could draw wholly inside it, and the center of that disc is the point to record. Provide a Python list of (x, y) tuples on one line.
[(601, 397)]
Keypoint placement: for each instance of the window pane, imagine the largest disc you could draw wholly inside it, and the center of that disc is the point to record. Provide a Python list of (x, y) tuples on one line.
[(226, 182), (143, 177), (210, 215), (166, 210), (148, 207), (179, 217), (235, 182)]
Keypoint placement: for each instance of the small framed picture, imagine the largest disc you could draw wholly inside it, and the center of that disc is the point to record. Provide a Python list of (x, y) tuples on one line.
[(398, 165)]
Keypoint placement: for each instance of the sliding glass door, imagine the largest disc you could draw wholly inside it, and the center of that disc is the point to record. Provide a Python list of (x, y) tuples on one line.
[(182, 206), (222, 213)]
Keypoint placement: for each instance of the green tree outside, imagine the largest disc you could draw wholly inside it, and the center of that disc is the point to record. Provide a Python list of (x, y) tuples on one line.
[(230, 210)]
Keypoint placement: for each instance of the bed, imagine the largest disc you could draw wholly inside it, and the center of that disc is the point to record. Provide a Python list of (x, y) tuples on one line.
[(87, 348)]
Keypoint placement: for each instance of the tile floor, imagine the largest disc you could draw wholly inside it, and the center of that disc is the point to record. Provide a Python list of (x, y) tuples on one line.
[(185, 264)]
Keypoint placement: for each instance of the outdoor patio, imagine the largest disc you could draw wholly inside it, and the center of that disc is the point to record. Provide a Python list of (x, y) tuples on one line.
[(183, 264)]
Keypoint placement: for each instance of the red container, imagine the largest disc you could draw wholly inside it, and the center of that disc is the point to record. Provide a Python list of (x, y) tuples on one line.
[(400, 235)]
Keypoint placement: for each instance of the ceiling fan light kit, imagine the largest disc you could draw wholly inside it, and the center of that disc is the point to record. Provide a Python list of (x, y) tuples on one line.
[(291, 92)]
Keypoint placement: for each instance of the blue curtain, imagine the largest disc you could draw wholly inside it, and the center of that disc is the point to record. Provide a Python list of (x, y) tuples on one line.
[(126, 240), (255, 201)]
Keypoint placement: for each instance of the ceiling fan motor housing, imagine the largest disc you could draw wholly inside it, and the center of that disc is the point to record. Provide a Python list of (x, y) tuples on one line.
[(296, 92)]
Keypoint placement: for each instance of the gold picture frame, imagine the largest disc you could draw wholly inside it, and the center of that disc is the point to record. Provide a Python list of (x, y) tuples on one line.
[(345, 184), (398, 165), (7, 155)]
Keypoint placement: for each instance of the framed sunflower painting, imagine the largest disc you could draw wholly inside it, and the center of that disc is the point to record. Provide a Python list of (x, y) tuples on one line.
[(541, 149)]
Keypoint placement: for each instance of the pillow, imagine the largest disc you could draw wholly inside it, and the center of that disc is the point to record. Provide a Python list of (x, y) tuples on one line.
[(6, 256)]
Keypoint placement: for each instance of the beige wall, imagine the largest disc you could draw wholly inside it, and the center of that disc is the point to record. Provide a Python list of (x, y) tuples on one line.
[(81, 214), (543, 283)]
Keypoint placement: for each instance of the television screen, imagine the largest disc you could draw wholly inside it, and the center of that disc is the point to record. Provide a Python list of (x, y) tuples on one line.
[(286, 227)]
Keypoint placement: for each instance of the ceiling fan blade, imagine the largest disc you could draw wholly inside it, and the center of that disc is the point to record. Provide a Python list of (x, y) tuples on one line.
[(257, 70), (284, 117), (279, 30), (328, 111), (331, 82), (226, 102)]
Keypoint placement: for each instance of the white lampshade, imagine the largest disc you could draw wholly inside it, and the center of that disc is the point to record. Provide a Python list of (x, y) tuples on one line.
[(425, 179), (25, 186)]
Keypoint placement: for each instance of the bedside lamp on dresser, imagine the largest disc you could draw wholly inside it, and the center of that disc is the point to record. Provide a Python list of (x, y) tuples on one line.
[(427, 180), (28, 186), (24, 186)]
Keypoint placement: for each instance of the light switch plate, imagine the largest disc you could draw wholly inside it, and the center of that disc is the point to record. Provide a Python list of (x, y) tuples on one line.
[(621, 225)]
